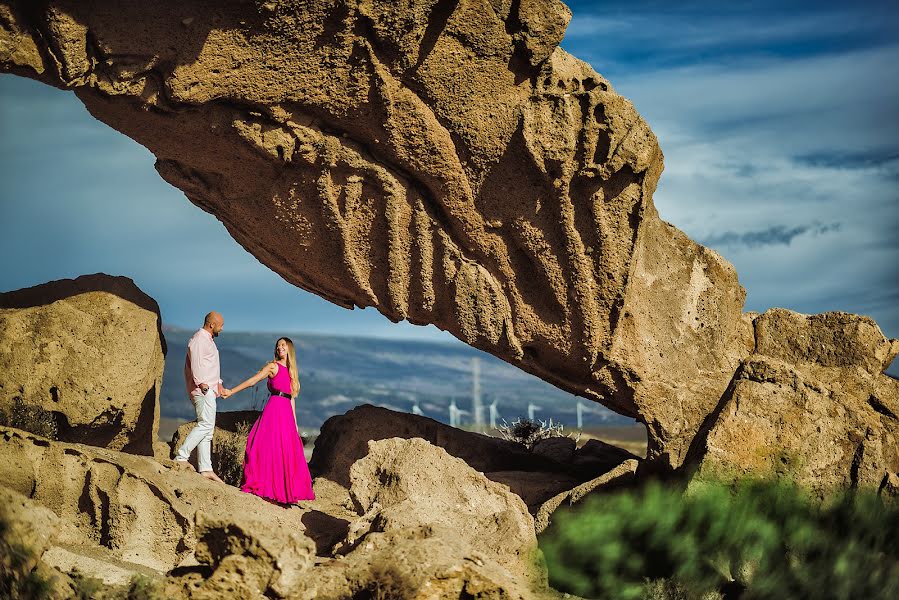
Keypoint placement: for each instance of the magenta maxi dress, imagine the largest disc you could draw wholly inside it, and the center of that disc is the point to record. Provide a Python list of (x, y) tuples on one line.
[(274, 466)]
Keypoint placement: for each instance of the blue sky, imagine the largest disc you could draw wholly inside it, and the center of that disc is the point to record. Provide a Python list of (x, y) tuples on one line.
[(778, 122)]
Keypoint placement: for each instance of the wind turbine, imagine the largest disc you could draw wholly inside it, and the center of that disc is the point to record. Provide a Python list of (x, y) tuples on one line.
[(580, 414), (455, 413), (494, 414)]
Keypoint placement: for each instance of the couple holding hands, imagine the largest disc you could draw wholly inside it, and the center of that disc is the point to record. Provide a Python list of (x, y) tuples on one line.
[(274, 465)]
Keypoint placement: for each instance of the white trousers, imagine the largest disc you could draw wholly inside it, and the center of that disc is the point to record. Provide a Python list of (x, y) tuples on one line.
[(200, 436)]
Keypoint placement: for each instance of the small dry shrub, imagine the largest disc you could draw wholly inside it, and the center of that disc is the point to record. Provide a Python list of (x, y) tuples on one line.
[(227, 459), (386, 583), (527, 432), (30, 417)]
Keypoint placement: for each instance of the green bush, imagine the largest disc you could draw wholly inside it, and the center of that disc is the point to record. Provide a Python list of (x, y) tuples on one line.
[(227, 459), (18, 578), (142, 587), (755, 540), (30, 417)]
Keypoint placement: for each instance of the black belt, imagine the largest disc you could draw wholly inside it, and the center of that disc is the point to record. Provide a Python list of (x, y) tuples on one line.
[(282, 394)]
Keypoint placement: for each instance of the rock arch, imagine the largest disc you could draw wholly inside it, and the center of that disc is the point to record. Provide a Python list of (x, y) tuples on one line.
[(445, 162)]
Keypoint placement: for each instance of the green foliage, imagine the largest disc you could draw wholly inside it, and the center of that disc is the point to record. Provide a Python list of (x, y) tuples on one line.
[(144, 588), (755, 540), (227, 459), (86, 587), (30, 417), (18, 578)]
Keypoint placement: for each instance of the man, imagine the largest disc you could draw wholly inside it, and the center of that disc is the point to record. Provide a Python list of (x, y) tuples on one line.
[(204, 385)]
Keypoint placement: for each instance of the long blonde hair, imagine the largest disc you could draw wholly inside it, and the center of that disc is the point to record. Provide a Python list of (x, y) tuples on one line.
[(291, 365)]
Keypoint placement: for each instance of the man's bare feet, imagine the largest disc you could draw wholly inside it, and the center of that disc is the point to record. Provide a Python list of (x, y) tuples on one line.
[(210, 475), (183, 465)]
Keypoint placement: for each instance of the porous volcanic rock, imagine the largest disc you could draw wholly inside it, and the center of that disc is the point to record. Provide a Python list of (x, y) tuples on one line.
[(90, 351), (445, 163), (405, 483), (134, 509), (419, 562), (249, 561), (811, 404)]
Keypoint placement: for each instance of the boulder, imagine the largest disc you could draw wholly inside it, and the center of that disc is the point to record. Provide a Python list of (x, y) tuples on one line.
[(811, 404), (559, 449), (599, 456), (344, 439), (89, 352), (410, 483), (445, 163), (248, 559)]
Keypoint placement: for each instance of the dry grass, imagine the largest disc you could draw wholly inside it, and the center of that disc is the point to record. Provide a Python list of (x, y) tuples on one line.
[(228, 453)]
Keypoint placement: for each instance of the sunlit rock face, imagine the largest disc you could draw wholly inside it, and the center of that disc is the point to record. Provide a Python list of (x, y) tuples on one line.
[(89, 352), (811, 405), (442, 161)]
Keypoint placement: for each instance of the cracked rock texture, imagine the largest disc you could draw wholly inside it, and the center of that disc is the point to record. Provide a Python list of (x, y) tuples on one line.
[(89, 351), (113, 515), (441, 160), (811, 404)]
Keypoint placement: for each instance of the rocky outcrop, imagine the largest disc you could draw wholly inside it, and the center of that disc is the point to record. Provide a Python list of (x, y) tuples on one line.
[(811, 404), (88, 351), (445, 163), (533, 476), (137, 511), (411, 483), (423, 523), (249, 561), (345, 438)]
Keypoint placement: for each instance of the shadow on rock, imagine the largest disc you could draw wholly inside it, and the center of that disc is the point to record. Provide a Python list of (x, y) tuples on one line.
[(325, 530)]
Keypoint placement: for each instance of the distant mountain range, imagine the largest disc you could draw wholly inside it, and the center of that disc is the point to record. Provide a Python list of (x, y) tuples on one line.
[(338, 373)]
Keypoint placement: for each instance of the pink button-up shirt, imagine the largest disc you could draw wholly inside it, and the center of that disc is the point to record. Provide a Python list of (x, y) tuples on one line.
[(201, 365)]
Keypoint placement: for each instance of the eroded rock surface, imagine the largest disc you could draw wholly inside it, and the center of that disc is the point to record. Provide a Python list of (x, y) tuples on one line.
[(443, 162), (90, 352), (137, 510), (410, 483), (811, 404), (423, 524)]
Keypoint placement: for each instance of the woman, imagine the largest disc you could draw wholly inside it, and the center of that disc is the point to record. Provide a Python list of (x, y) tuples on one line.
[(274, 465)]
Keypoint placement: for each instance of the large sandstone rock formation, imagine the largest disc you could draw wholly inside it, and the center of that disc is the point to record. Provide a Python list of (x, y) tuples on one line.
[(810, 404), (421, 524), (89, 351), (444, 162)]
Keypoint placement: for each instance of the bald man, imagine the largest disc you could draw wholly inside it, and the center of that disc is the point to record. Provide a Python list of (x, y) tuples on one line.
[(204, 384)]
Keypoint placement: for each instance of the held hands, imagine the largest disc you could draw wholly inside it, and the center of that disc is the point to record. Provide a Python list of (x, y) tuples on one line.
[(226, 392)]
